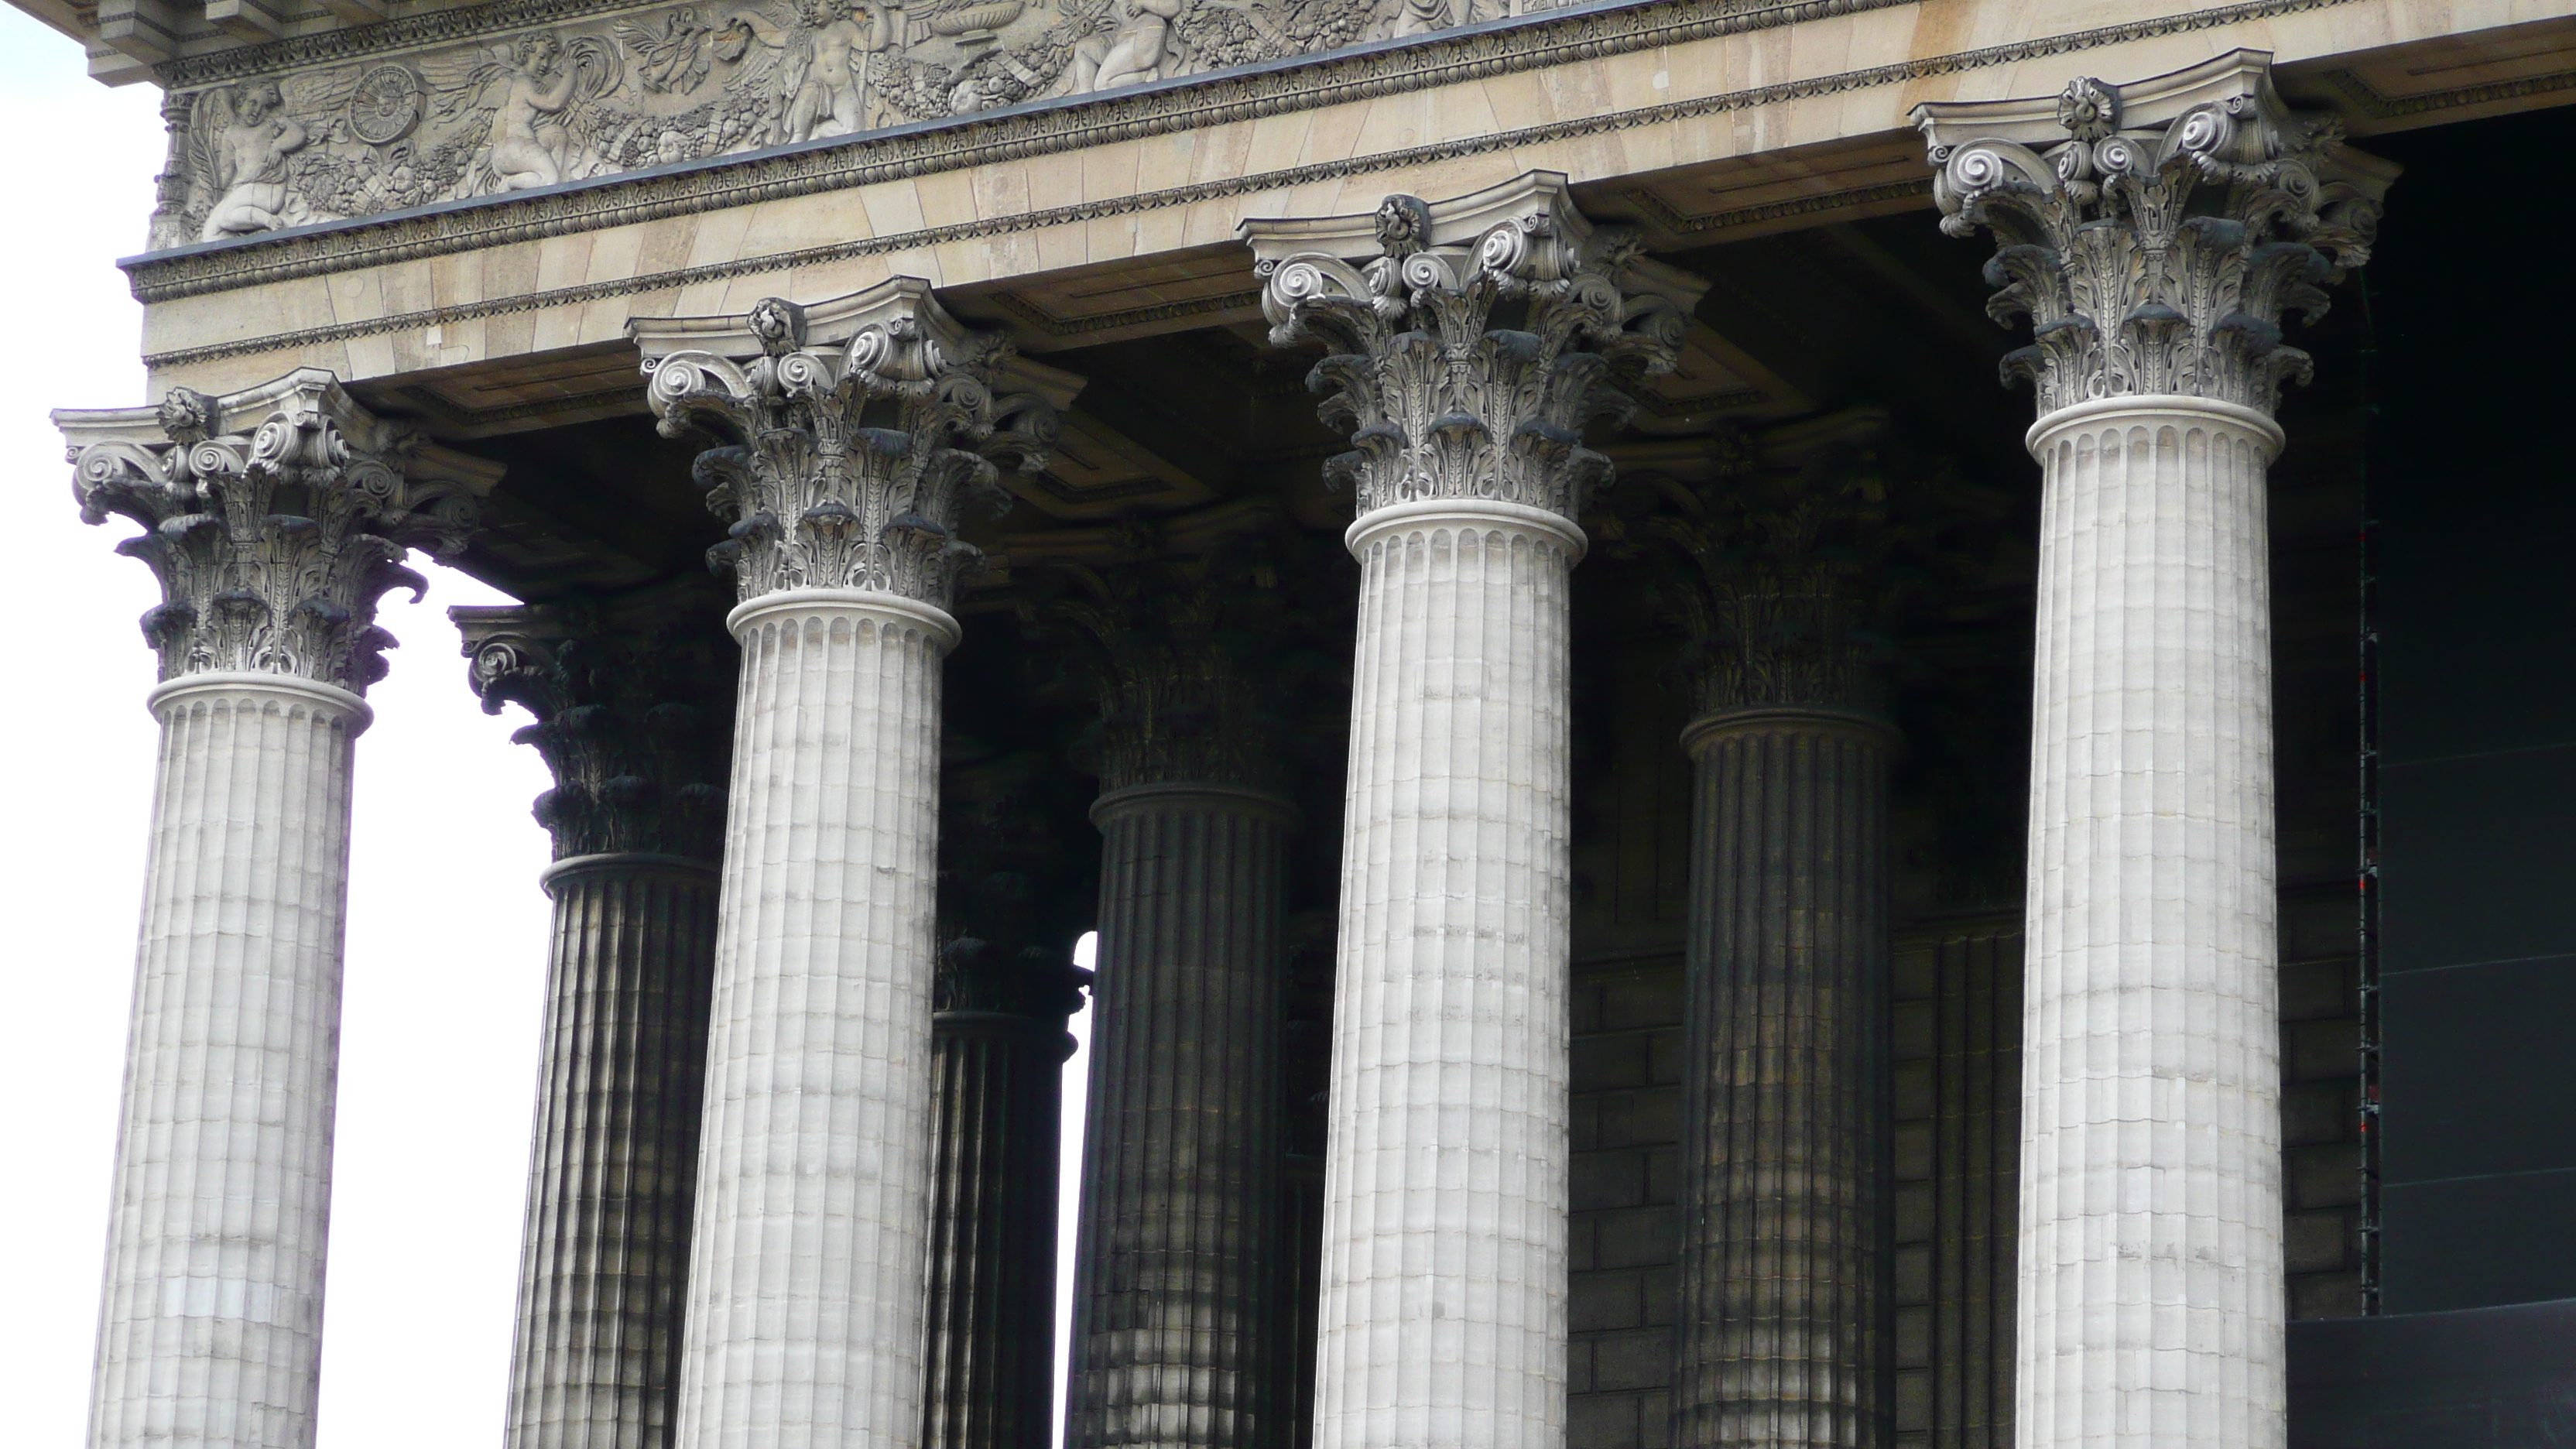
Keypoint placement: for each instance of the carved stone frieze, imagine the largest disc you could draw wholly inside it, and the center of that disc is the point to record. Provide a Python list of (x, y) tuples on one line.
[(633, 698), (597, 94), (860, 429), (2156, 234), (275, 519), (1469, 353)]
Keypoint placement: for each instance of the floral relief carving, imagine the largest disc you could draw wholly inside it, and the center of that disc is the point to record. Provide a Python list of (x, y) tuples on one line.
[(597, 97), (275, 520), (2159, 257), (851, 464), (1471, 368)]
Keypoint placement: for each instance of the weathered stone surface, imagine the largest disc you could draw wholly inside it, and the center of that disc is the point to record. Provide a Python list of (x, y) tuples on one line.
[(2156, 245)]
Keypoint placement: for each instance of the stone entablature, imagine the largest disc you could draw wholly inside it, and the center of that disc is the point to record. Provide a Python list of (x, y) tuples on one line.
[(488, 101)]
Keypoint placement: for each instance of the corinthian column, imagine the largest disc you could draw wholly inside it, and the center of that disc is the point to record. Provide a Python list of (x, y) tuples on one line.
[(1176, 1315), (275, 518), (634, 706), (2155, 234), (1784, 1113), (1009, 913), (1469, 347), (855, 433)]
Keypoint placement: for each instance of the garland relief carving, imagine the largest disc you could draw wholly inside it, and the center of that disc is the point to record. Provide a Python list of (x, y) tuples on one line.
[(688, 82)]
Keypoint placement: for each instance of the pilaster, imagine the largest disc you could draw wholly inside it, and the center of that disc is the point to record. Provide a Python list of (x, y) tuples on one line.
[(2156, 234), (275, 519), (633, 699), (1470, 343), (853, 436)]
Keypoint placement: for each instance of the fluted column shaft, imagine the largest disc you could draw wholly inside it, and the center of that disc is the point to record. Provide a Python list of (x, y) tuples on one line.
[(1443, 1315), (604, 1261), (807, 1279), (2151, 1149), (1784, 1111), (211, 1332), (998, 1093), (1176, 1318)]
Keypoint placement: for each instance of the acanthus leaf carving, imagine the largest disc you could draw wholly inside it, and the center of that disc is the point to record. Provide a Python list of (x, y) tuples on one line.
[(2156, 235), (1467, 358), (1194, 660), (275, 519), (632, 698), (849, 463)]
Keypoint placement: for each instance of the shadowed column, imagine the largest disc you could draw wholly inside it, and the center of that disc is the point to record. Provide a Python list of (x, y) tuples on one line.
[(1176, 1320), (633, 698), (1783, 1283), (1006, 984)]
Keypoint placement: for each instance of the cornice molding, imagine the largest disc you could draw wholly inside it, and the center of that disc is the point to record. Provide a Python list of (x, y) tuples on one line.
[(648, 196)]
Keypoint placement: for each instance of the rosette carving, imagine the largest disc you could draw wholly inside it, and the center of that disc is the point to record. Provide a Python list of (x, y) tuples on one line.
[(2156, 240), (1471, 367), (850, 463), (275, 518), (633, 702)]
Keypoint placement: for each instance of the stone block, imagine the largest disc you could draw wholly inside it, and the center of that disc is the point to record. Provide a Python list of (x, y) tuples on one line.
[(1911, 1084), (1913, 1338), (2312, 1050), (1914, 1212), (2316, 1241), (2328, 1176), (1605, 1302), (2314, 1113), (1602, 1180), (1601, 1421), (1913, 1141), (1632, 1237), (1643, 1000), (1912, 1031), (1639, 1360), (2318, 990), (1611, 1060)]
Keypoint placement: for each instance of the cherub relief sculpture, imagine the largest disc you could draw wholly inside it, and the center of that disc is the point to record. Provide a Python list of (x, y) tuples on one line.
[(1132, 55), (529, 91), (241, 161), (690, 81), (819, 58)]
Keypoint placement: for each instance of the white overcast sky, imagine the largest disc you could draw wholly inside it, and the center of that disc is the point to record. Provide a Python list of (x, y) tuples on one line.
[(446, 926)]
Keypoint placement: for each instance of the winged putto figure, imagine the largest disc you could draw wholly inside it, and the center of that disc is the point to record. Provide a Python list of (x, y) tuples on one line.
[(536, 92), (241, 141)]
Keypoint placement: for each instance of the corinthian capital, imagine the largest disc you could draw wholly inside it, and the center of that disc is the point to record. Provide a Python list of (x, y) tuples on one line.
[(1472, 340), (2156, 233), (275, 518), (633, 699), (858, 430), (1189, 656)]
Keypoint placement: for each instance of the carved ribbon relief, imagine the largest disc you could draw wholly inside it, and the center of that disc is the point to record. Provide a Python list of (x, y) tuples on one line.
[(686, 82)]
